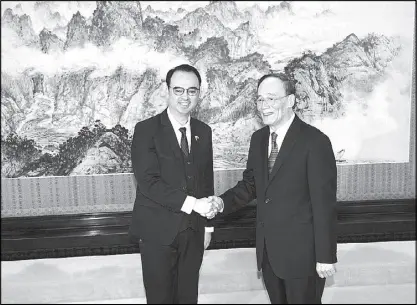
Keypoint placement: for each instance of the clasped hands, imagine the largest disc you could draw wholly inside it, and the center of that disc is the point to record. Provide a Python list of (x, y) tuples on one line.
[(209, 206)]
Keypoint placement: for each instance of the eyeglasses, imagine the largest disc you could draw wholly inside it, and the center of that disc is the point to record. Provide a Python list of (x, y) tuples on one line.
[(193, 91), (269, 101)]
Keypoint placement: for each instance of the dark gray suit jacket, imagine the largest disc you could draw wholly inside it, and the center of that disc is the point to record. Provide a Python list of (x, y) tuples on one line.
[(296, 203), (160, 174)]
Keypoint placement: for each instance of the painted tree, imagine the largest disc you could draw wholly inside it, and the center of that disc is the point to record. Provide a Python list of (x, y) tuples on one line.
[(141, 15)]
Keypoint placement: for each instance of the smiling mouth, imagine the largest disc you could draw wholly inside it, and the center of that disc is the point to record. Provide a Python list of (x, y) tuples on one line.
[(184, 104), (267, 114)]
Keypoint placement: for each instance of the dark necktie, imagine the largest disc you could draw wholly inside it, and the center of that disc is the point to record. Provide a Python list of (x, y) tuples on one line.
[(274, 152), (184, 142)]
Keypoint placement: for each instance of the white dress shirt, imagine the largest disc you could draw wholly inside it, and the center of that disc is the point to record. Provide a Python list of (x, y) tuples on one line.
[(281, 132), (177, 125), (190, 201)]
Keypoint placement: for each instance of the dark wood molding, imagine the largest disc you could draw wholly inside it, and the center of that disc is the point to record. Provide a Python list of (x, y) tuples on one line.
[(106, 233)]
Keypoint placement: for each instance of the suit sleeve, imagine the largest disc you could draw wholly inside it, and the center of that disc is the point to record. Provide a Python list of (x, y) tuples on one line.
[(322, 181), (208, 179), (244, 191), (147, 171)]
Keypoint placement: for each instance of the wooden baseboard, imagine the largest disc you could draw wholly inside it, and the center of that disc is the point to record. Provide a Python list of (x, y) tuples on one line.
[(106, 233)]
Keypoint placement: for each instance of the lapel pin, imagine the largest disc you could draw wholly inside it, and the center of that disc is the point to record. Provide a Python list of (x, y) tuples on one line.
[(196, 138)]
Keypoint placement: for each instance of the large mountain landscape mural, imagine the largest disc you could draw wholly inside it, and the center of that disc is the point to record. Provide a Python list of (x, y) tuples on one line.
[(77, 76)]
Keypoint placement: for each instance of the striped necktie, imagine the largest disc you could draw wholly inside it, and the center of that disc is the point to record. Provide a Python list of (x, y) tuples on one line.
[(274, 152), (184, 142)]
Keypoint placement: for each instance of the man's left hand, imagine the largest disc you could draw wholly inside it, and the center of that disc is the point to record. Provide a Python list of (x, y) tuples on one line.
[(325, 270), (207, 239)]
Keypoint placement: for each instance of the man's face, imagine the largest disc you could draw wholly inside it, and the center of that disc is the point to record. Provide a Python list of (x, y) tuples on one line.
[(272, 102), (179, 100)]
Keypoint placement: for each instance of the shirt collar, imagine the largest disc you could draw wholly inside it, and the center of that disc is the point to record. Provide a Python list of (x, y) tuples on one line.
[(282, 130), (175, 124)]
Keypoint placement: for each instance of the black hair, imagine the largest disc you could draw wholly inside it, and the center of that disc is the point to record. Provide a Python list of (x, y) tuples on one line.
[(184, 68)]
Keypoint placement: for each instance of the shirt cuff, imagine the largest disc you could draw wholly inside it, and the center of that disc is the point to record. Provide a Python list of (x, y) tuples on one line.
[(209, 229), (189, 204)]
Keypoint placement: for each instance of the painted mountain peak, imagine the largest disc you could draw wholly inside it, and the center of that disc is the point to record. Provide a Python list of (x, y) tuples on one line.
[(78, 120)]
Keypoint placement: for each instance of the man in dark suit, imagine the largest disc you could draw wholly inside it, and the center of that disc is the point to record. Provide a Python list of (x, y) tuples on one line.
[(172, 159), (291, 171)]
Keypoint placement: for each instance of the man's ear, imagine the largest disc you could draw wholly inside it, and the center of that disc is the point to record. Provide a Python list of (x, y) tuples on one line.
[(291, 101)]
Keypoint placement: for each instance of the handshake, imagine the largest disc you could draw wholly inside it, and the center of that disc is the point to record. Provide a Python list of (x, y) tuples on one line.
[(209, 206)]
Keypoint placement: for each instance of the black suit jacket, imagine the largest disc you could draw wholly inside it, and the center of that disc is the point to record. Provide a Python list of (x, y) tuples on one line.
[(296, 203), (160, 174)]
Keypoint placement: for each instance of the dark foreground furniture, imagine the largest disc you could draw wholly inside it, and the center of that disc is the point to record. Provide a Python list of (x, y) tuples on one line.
[(106, 233)]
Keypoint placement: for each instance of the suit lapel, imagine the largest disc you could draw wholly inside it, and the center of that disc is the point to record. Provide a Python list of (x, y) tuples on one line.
[(169, 134), (195, 139), (264, 154), (286, 147)]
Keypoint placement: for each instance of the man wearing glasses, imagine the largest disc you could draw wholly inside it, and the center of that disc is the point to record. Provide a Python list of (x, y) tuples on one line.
[(172, 159), (291, 171)]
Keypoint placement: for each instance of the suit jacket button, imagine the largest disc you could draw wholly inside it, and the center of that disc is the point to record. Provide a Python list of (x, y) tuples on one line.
[(267, 200)]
